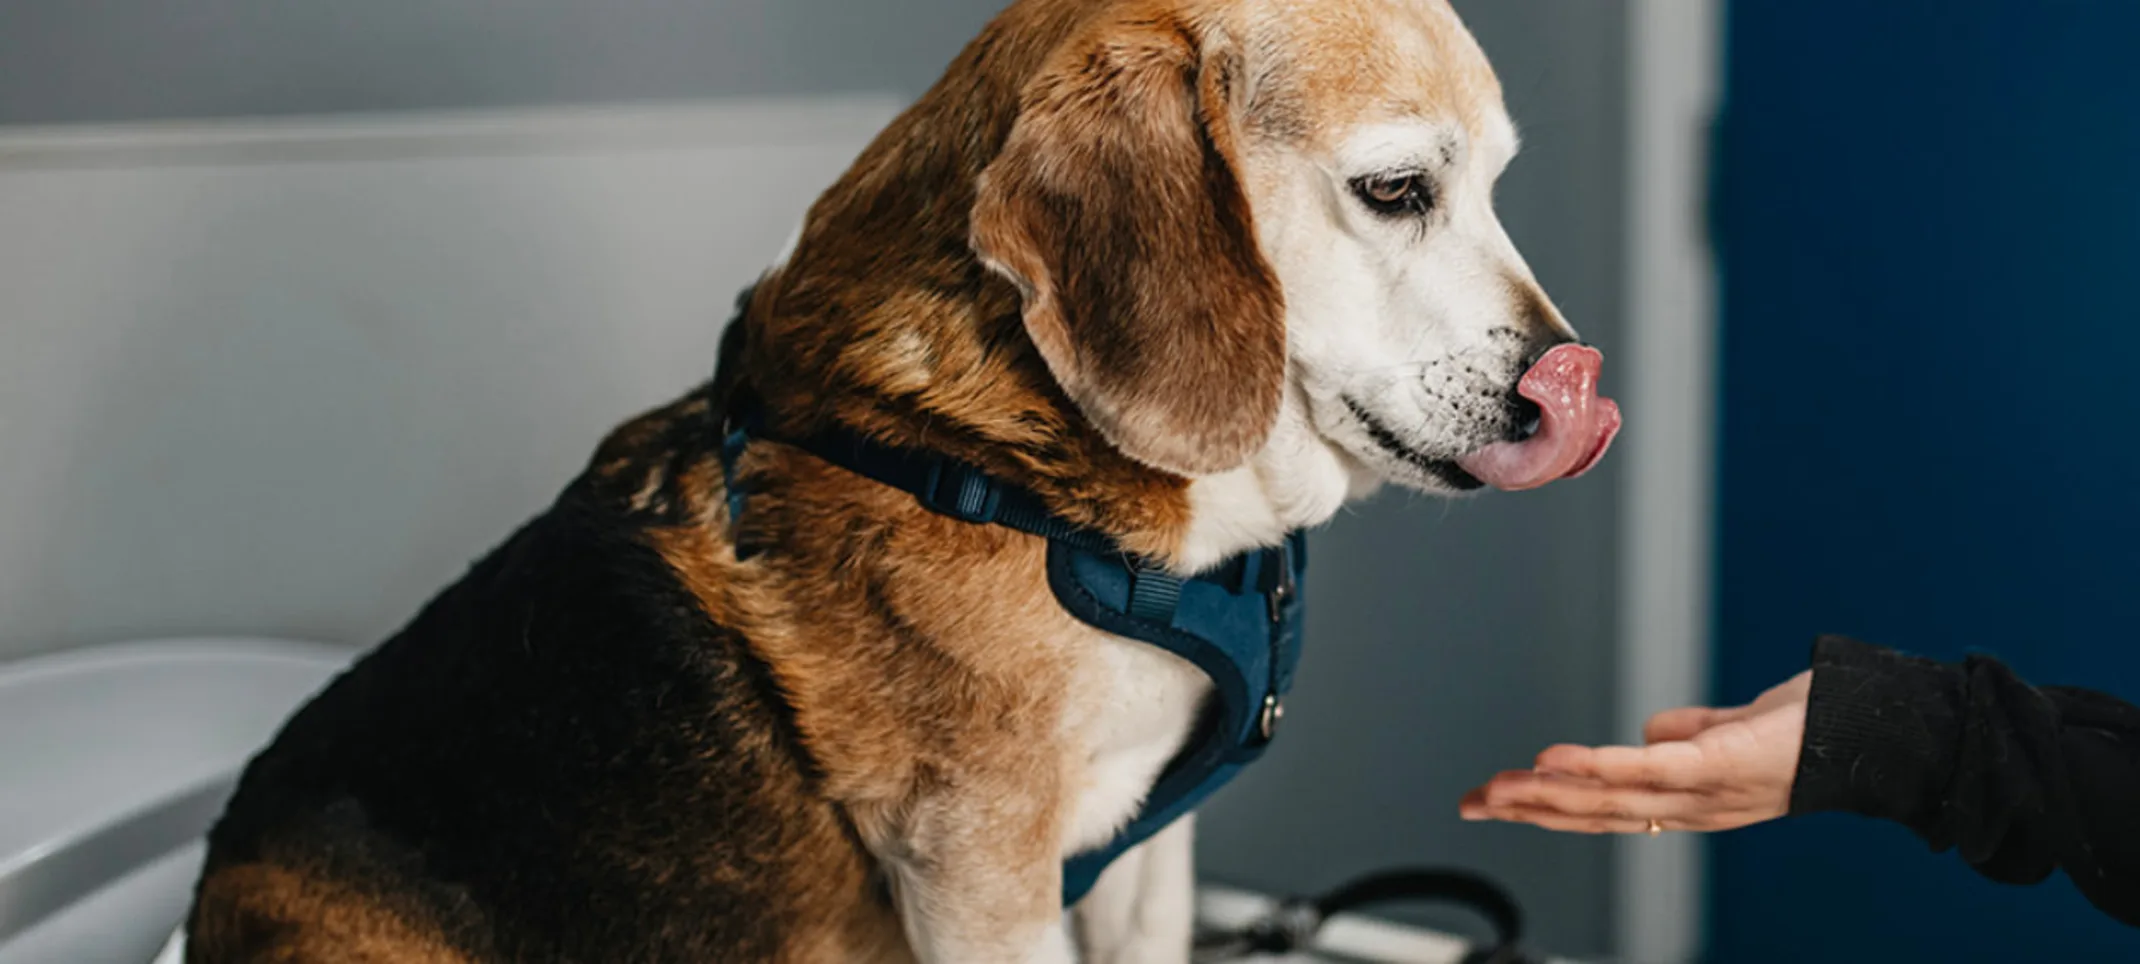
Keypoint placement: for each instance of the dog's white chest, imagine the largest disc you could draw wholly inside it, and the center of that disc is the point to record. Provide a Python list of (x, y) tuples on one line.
[(1135, 707)]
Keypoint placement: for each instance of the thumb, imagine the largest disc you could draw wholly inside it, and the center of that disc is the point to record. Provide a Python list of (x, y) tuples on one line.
[(1680, 724)]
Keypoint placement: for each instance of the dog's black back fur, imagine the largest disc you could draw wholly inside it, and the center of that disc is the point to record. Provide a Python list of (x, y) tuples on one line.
[(561, 758)]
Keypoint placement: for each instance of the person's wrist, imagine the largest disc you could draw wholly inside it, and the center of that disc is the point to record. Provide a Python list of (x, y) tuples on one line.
[(1878, 732)]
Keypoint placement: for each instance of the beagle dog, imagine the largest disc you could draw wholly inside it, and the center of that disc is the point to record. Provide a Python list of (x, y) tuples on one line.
[(1189, 274)]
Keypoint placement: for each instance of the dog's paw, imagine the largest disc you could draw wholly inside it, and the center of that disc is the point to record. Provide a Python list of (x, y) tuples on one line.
[(1055, 948)]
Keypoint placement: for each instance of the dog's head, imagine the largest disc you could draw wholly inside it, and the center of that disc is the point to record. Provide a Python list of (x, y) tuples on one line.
[(1231, 217)]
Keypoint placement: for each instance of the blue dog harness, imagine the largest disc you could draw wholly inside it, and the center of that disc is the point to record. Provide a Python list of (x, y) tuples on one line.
[(1238, 622)]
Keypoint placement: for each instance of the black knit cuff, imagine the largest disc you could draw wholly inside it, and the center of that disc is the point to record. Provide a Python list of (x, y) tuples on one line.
[(1882, 731)]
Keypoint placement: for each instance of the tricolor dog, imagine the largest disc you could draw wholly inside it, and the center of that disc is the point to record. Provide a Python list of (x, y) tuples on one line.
[(920, 621)]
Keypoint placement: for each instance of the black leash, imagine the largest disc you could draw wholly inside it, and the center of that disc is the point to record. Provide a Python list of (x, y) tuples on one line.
[(1293, 924)]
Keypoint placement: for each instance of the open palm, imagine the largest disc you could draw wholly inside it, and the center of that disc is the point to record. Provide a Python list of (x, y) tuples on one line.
[(1703, 769)]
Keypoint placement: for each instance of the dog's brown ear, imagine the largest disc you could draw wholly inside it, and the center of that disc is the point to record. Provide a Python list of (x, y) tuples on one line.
[(1117, 207)]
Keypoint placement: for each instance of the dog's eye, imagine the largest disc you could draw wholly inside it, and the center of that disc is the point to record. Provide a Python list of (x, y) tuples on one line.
[(1395, 194)]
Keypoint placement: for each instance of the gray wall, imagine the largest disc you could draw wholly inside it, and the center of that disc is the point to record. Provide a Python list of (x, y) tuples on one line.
[(1448, 640), (290, 381), (63, 61)]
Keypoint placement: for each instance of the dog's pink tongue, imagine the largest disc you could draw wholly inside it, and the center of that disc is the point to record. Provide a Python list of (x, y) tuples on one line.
[(1575, 424)]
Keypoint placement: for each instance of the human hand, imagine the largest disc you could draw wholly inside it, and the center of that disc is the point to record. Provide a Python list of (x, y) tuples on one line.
[(1703, 769)]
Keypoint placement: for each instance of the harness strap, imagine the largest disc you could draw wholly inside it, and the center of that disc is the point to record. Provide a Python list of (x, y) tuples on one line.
[(1238, 623), (944, 485)]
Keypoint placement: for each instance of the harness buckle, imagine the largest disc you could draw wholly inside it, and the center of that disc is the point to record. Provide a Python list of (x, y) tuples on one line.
[(961, 492), (1268, 719)]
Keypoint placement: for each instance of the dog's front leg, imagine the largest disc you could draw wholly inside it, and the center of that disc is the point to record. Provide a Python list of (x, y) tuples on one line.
[(1142, 910), (977, 878)]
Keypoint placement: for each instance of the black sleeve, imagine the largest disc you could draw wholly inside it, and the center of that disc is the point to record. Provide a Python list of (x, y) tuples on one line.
[(2019, 780)]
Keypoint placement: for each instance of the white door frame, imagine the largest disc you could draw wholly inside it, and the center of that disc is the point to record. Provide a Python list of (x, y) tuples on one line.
[(1674, 82)]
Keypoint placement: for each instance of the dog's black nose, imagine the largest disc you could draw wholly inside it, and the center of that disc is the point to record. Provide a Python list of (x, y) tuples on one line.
[(1525, 414), (1540, 347)]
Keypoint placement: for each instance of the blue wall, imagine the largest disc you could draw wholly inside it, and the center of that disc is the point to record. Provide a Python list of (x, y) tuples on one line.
[(1929, 219)]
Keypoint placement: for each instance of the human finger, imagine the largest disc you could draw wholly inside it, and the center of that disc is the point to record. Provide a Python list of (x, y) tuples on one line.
[(1679, 724), (1675, 765), (1566, 823), (1586, 798)]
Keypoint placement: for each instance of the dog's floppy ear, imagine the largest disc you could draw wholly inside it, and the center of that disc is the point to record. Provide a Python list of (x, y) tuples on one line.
[(1116, 206)]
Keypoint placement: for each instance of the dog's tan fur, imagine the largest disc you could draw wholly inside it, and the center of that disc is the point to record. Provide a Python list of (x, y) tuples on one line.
[(309, 916), (1049, 267)]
